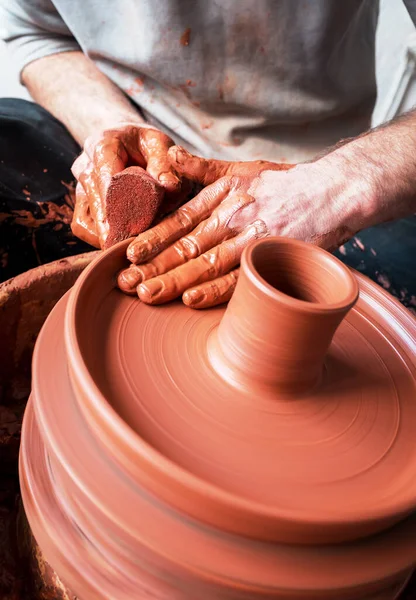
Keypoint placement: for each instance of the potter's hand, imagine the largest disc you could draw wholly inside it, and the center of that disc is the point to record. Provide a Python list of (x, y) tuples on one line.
[(196, 250), (203, 172), (108, 154)]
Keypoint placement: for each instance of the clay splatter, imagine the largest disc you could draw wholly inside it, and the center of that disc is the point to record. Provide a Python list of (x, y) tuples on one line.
[(360, 244), (383, 281), (50, 212), (186, 37), (35, 247), (342, 250), (136, 87), (185, 89), (69, 186)]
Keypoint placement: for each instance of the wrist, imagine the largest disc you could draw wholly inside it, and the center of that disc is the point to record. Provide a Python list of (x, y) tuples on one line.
[(114, 120), (355, 189)]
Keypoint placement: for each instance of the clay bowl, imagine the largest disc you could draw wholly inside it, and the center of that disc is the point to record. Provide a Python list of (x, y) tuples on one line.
[(25, 302), (153, 472)]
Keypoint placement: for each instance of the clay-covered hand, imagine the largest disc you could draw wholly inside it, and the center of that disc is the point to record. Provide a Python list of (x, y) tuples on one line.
[(195, 251), (124, 178)]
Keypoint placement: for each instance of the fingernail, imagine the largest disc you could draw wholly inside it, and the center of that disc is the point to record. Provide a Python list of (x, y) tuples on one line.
[(193, 297), (168, 179), (181, 155), (138, 252), (129, 279), (150, 290)]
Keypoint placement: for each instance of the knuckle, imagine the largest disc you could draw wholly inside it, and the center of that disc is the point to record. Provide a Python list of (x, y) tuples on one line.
[(149, 271), (232, 278), (234, 181), (239, 201), (188, 247), (214, 291), (212, 263), (258, 229), (183, 218)]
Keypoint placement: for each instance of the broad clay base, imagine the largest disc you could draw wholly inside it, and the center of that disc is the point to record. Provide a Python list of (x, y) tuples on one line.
[(148, 465)]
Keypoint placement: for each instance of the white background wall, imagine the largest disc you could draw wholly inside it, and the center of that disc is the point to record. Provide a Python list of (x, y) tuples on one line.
[(396, 33)]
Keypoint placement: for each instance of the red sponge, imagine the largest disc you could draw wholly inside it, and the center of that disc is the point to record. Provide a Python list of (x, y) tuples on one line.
[(132, 202)]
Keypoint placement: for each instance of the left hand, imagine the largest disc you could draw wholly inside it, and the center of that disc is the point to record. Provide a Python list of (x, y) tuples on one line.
[(106, 157), (196, 250)]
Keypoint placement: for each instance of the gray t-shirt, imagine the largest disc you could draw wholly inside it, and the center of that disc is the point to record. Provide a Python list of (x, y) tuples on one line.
[(236, 79)]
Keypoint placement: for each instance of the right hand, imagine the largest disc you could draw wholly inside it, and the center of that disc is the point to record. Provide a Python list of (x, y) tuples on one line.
[(107, 154), (196, 249)]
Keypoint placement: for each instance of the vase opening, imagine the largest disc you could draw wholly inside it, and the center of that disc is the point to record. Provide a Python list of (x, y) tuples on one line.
[(289, 300)]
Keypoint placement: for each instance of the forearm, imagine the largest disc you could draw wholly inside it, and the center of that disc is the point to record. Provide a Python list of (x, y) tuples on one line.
[(379, 169), (74, 90)]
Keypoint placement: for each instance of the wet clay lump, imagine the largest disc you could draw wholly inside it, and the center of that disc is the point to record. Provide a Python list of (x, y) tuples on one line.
[(262, 450)]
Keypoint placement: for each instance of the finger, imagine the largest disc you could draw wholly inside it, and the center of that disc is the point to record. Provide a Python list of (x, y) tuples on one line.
[(217, 291), (82, 225), (154, 146), (110, 158), (180, 223), (126, 140), (79, 165), (88, 179), (109, 154), (128, 280), (197, 168), (207, 171), (206, 235), (210, 265)]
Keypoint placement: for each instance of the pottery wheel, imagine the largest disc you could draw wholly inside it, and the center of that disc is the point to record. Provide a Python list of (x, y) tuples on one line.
[(140, 385)]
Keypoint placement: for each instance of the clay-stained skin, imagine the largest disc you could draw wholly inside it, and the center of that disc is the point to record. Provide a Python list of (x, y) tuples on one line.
[(98, 170), (178, 224), (83, 225), (203, 238), (207, 171), (210, 265), (197, 243), (218, 291), (190, 215), (201, 458)]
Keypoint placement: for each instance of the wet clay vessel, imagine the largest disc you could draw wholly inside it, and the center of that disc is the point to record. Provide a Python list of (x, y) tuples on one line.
[(260, 450)]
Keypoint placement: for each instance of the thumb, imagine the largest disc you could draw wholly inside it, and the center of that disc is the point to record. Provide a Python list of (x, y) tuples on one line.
[(83, 226), (154, 146), (206, 171), (196, 168)]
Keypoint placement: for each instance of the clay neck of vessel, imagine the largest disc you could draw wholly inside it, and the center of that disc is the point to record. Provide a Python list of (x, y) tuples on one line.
[(289, 300)]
